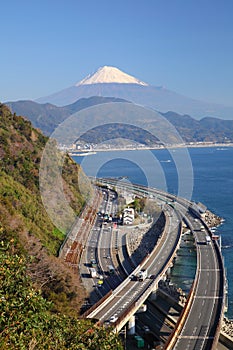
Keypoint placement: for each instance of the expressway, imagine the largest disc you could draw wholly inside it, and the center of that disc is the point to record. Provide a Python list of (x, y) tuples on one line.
[(131, 293), (98, 249), (199, 325)]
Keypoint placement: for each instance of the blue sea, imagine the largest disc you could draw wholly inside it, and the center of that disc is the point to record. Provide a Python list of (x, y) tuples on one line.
[(201, 174)]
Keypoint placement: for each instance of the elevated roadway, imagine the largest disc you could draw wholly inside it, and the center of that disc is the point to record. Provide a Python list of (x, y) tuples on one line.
[(199, 324), (130, 294)]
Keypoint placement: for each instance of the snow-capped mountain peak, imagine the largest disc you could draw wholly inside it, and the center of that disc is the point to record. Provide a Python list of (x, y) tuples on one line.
[(109, 74)]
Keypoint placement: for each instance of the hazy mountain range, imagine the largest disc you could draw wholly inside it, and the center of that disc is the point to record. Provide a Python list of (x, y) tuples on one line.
[(48, 117), (112, 82), (128, 100)]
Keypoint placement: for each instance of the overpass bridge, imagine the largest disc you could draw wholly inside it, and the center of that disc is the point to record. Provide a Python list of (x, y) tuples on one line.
[(199, 324)]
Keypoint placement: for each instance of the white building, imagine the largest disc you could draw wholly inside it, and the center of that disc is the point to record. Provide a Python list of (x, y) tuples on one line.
[(128, 216)]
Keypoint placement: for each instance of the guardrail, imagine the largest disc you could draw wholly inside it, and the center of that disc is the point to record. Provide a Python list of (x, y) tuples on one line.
[(151, 287), (92, 312), (180, 323), (222, 284), (221, 292), (99, 302)]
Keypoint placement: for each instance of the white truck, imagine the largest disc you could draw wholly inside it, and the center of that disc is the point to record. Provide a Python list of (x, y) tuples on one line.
[(142, 275), (93, 272)]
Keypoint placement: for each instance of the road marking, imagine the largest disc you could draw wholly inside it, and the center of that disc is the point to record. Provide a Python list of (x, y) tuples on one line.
[(207, 297), (193, 337), (214, 270), (194, 330)]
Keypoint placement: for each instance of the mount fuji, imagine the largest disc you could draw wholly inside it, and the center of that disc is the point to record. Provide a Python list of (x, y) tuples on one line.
[(112, 82)]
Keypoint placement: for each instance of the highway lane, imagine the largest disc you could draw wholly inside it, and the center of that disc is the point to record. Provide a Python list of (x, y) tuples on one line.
[(98, 248), (158, 324), (201, 324), (199, 329), (91, 254), (133, 290), (106, 244)]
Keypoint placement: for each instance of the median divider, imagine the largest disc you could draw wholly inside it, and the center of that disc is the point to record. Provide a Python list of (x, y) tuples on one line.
[(180, 323), (108, 297), (151, 287), (221, 295), (138, 268)]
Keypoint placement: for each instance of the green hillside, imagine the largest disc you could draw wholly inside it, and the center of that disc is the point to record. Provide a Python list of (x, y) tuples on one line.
[(40, 297), (48, 117)]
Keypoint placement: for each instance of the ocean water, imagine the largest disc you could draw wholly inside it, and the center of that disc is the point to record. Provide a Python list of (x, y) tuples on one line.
[(201, 174)]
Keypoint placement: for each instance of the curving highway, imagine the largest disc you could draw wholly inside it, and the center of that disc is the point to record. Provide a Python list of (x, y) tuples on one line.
[(130, 294), (199, 324)]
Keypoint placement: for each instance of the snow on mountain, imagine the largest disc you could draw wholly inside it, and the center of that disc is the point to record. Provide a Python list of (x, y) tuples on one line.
[(112, 82), (109, 74)]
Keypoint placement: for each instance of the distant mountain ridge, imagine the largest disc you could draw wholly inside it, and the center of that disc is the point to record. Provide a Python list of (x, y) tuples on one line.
[(47, 117), (112, 82)]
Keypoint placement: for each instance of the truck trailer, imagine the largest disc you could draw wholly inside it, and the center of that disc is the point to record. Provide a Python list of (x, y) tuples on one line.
[(93, 272), (142, 275)]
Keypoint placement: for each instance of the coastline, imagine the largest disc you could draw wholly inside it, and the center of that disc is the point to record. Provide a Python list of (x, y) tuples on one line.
[(174, 146)]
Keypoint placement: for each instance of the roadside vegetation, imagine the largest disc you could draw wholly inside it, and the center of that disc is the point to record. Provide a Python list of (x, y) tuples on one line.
[(40, 297)]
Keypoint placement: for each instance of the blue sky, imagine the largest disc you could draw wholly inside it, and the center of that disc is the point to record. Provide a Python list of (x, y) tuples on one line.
[(184, 45)]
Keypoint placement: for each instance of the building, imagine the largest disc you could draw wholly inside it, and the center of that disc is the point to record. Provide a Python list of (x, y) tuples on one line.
[(128, 216)]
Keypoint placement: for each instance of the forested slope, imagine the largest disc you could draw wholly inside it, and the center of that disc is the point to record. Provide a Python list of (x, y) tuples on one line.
[(40, 297)]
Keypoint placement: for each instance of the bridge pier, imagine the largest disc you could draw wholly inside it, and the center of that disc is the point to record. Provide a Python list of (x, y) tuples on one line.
[(153, 295), (131, 325)]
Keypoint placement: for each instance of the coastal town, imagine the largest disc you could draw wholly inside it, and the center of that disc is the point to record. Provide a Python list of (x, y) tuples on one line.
[(84, 149)]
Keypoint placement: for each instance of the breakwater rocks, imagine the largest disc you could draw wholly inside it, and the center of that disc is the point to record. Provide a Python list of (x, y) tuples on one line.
[(211, 219), (227, 327)]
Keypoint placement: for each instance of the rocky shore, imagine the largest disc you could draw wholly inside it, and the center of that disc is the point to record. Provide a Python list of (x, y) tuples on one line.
[(211, 219), (227, 327)]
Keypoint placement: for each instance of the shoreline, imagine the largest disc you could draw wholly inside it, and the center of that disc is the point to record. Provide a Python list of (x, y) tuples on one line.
[(175, 146)]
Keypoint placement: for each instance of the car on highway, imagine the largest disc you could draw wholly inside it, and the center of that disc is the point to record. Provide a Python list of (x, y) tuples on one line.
[(100, 283), (93, 263)]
